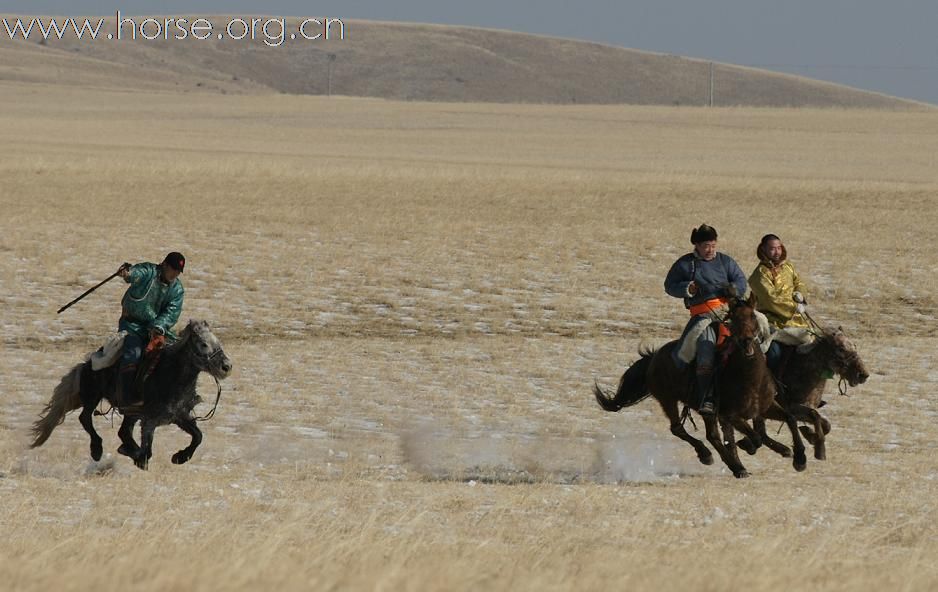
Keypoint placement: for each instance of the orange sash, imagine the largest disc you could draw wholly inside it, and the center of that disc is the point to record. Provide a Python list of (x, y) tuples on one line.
[(708, 306)]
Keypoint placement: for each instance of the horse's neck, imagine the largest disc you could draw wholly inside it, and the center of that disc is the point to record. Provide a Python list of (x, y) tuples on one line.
[(177, 367), (746, 368), (805, 373)]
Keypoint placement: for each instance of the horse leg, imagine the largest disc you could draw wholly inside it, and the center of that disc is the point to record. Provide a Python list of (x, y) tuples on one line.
[(188, 425), (128, 445), (751, 441), (87, 421), (729, 440), (778, 413), (808, 432), (770, 442), (142, 458), (677, 428), (817, 438), (716, 440)]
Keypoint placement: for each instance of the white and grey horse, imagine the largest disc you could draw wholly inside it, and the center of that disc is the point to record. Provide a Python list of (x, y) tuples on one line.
[(169, 396)]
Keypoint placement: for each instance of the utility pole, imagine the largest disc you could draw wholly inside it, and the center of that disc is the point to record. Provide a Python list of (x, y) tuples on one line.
[(711, 84), (329, 76)]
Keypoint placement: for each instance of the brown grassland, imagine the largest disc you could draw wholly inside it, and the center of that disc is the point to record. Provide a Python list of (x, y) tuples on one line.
[(417, 298)]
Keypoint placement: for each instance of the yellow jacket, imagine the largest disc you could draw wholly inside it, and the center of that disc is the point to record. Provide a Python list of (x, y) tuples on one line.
[(773, 289)]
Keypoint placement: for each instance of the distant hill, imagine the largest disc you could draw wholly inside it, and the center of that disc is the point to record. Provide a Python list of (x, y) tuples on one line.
[(426, 63)]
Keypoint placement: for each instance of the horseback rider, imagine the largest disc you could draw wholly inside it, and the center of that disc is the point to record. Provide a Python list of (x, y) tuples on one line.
[(779, 293), (706, 280), (150, 308)]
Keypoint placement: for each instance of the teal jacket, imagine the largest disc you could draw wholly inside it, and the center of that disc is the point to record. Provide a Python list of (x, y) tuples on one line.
[(149, 303)]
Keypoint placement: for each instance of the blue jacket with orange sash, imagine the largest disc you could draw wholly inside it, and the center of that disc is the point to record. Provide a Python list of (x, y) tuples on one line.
[(711, 278)]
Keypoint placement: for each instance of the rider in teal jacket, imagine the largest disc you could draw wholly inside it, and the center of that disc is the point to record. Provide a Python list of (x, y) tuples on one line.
[(150, 308)]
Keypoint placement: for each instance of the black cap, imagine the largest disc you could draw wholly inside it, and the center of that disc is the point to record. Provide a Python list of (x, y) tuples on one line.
[(703, 233), (176, 261)]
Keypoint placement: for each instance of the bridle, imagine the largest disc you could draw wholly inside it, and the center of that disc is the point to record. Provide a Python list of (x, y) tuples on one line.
[(205, 362)]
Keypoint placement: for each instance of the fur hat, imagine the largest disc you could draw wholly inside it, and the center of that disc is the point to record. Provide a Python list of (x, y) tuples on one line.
[(703, 233)]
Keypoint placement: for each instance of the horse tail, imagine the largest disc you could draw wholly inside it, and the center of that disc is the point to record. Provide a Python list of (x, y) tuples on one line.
[(66, 397), (633, 387)]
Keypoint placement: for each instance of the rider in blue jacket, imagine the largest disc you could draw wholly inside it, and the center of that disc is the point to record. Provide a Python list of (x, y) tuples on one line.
[(705, 280)]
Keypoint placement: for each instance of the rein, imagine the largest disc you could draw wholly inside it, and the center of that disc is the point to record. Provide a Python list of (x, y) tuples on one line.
[(842, 384), (211, 413), (207, 360)]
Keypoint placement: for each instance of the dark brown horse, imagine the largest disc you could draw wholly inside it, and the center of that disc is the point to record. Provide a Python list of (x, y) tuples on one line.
[(804, 376), (744, 390)]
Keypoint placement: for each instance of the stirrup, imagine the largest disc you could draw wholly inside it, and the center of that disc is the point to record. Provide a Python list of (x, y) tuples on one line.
[(706, 408)]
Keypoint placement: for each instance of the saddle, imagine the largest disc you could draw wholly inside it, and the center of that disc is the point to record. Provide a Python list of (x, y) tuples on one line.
[(108, 355)]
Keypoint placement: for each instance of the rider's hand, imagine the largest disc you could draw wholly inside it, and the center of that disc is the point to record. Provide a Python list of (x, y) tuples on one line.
[(692, 288), (124, 270), (799, 297), (155, 332)]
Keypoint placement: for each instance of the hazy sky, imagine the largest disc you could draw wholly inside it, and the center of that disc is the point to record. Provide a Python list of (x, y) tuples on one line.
[(891, 47)]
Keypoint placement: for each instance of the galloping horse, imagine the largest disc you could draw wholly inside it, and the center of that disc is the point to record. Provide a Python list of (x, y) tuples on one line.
[(169, 395), (804, 377), (745, 390)]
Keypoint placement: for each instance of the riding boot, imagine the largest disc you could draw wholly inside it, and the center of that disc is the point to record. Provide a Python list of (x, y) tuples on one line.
[(704, 393), (126, 391)]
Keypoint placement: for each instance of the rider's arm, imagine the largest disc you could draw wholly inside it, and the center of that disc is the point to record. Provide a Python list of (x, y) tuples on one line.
[(735, 276), (678, 280), (169, 315), (798, 284)]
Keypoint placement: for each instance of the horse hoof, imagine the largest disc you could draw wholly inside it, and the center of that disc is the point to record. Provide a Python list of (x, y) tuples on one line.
[(820, 454), (180, 458), (707, 460), (126, 450), (741, 474), (800, 464), (96, 451), (141, 463)]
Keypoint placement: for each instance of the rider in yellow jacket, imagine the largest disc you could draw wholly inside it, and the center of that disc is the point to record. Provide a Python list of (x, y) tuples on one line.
[(779, 291)]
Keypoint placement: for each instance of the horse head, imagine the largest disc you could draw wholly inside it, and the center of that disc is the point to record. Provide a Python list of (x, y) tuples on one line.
[(744, 326), (844, 359), (206, 350)]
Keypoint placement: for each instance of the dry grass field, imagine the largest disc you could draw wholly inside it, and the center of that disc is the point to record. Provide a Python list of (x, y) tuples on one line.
[(417, 299)]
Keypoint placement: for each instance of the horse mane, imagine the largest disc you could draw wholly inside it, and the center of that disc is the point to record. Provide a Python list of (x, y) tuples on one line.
[(184, 336)]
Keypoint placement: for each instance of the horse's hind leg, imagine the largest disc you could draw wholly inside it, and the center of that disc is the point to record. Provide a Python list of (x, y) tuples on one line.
[(189, 426), (677, 428), (87, 421), (770, 443), (128, 445), (752, 441)]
